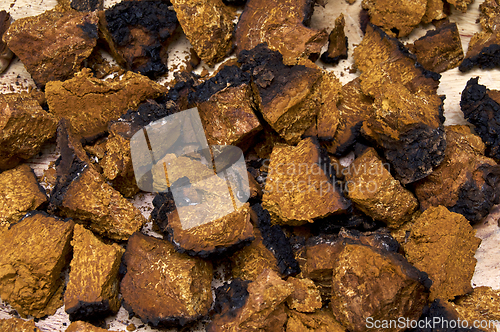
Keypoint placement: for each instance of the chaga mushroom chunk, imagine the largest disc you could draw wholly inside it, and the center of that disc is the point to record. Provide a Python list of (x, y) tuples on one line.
[(162, 286), (250, 306), (440, 49), (466, 182), (138, 33), (409, 129), (481, 107), (282, 25), (57, 57), (337, 43)]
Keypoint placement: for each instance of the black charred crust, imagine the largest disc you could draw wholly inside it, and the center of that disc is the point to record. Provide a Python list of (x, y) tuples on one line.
[(163, 203), (344, 148), (268, 72), (325, 57), (183, 92), (436, 310), (155, 17), (308, 11), (475, 202), (153, 319), (231, 297), (417, 152), (86, 5), (484, 113), (229, 76), (89, 29), (276, 242), (234, 2), (68, 168), (148, 112), (89, 310), (354, 221), (381, 238), (488, 58)]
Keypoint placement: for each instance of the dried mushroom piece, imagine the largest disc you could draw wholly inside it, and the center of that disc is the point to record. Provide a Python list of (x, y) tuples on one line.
[(209, 27), (480, 105), (440, 49), (460, 4), (30, 287), (258, 305), (138, 33), (409, 129), (441, 241), (436, 10), (20, 193), (320, 321), (81, 326), (271, 249), (18, 325), (482, 304), (57, 57), (337, 43), (162, 286), (384, 60), (90, 104), (228, 117), (466, 182), (24, 127), (305, 297), (94, 268), (372, 284), (354, 108), (374, 191), (282, 25), (283, 93), (5, 53), (299, 188), (82, 193), (397, 18)]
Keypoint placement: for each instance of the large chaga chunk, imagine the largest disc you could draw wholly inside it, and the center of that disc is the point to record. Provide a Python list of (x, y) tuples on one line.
[(81, 326), (337, 43), (440, 49), (280, 24), (354, 108), (442, 244), (466, 182), (282, 91), (18, 325), (209, 27), (228, 117), (375, 284), (384, 60), (5, 54), (298, 189), (82, 193), (257, 306), (34, 252), (57, 57), (319, 321), (271, 249), (481, 107), (227, 77), (409, 128), (483, 305), (90, 104), (162, 286), (24, 127), (94, 268), (397, 18), (138, 33), (20, 193), (375, 192)]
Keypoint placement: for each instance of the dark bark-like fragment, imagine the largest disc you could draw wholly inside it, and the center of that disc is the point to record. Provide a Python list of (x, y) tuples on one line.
[(337, 43), (87, 5), (481, 107), (138, 33)]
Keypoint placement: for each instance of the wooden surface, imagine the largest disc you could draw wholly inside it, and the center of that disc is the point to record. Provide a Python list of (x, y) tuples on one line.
[(487, 271)]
